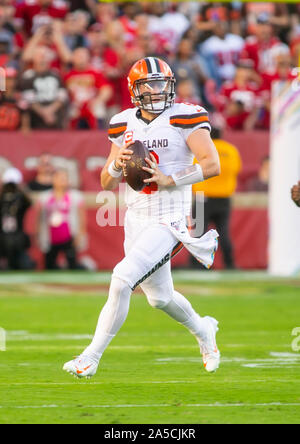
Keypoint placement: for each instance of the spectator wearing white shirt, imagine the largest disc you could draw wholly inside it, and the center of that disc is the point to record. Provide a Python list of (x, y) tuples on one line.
[(221, 53), (169, 26)]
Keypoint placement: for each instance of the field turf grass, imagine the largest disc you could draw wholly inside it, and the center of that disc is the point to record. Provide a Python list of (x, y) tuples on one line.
[(152, 371)]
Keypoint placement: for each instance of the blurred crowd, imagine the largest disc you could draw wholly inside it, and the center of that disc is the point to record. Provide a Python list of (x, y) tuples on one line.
[(66, 62)]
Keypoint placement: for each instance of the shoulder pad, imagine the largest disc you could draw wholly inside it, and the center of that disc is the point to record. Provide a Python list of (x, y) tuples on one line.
[(187, 115), (118, 123)]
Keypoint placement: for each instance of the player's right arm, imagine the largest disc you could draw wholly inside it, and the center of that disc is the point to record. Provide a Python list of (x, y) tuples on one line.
[(115, 162), (295, 194)]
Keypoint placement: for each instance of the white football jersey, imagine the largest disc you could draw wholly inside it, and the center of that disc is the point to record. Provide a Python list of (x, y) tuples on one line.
[(165, 137)]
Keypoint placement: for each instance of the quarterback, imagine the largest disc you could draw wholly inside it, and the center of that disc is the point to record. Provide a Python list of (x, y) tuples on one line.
[(155, 221)]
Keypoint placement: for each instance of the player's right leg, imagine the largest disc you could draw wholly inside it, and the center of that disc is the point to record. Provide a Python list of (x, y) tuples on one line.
[(110, 321)]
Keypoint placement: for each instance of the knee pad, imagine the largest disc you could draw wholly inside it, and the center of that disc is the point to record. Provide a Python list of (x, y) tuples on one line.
[(127, 271), (158, 296), (118, 285)]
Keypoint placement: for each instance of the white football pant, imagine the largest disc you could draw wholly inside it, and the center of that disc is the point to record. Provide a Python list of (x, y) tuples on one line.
[(148, 250)]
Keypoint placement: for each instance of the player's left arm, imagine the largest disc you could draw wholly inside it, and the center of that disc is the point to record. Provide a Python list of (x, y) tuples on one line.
[(203, 148)]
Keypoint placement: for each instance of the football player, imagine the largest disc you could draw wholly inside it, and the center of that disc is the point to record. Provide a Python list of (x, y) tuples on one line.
[(155, 226)]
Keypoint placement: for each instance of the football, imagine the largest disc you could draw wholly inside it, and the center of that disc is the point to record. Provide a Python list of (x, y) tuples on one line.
[(133, 172)]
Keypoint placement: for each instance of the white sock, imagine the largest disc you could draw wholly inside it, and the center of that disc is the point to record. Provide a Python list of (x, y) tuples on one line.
[(111, 317), (180, 309)]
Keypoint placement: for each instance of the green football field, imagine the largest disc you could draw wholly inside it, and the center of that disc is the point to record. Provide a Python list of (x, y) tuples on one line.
[(152, 371)]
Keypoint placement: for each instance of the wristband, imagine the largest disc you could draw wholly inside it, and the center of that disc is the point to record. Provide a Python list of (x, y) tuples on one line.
[(113, 172), (188, 176)]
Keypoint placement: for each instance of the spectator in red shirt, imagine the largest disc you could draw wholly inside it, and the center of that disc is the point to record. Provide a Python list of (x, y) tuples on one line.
[(5, 43), (89, 92), (282, 68), (239, 100), (106, 60), (258, 47), (32, 14), (103, 56), (130, 11), (128, 53), (10, 115)]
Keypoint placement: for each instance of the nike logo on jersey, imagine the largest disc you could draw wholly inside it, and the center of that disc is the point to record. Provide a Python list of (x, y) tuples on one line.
[(160, 143)]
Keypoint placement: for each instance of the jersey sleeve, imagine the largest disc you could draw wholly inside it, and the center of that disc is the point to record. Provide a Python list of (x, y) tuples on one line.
[(116, 129), (190, 118)]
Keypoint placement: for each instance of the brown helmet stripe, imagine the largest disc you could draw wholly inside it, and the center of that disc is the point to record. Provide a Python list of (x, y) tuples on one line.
[(149, 69)]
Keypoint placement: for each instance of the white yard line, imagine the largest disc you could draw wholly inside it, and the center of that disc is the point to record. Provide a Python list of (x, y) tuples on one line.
[(138, 348), (188, 276), (88, 382), (105, 406), (79, 381)]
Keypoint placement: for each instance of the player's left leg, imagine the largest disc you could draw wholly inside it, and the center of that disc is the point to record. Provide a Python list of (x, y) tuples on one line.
[(160, 293), (150, 251)]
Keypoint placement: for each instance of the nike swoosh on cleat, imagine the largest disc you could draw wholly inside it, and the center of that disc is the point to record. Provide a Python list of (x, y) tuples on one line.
[(84, 370)]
